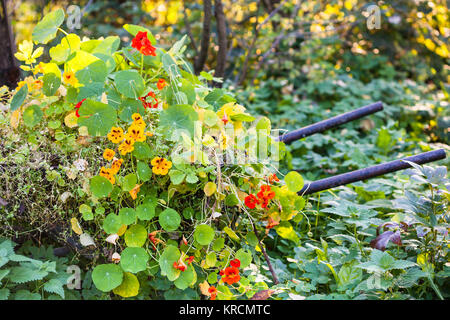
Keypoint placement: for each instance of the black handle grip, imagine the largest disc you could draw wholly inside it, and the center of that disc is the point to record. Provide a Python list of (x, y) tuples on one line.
[(331, 123), (371, 172)]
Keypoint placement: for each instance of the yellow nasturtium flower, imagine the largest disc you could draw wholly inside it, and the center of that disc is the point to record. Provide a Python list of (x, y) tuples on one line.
[(126, 146), (108, 154), (108, 174), (133, 192), (136, 133), (137, 120), (161, 166), (115, 165), (69, 78), (116, 135)]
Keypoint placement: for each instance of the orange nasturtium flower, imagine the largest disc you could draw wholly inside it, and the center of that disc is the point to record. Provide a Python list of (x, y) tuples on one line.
[(126, 146), (116, 135), (108, 174), (161, 84), (115, 165), (133, 192), (108, 154), (161, 166), (136, 133), (69, 78), (213, 292)]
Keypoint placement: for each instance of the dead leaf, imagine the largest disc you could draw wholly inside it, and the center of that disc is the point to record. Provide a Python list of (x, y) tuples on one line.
[(262, 295), (76, 226), (204, 286)]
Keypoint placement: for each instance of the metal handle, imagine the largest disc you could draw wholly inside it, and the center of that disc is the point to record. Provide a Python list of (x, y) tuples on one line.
[(331, 123), (371, 172)]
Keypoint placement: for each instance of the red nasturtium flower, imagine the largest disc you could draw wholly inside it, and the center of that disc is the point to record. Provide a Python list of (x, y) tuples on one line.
[(225, 118), (189, 259), (265, 195), (161, 84), (231, 275), (143, 44), (235, 263), (154, 101), (179, 265), (251, 201), (273, 178), (213, 292), (77, 108)]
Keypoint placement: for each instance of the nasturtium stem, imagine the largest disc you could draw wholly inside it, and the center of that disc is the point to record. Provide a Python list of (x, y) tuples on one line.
[(142, 63)]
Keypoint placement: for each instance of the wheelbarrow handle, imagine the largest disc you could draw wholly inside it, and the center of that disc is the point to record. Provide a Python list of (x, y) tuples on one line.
[(331, 123), (371, 172)]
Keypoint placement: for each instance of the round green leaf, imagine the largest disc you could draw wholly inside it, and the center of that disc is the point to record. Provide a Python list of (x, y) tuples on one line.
[(129, 182), (130, 83), (169, 220), (97, 117), (134, 259), (47, 28), (106, 277), (146, 211), (112, 223), (204, 234), (135, 236), (186, 278), (51, 84), (178, 117), (32, 115), (127, 215), (129, 287), (100, 186), (170, 255), (294, 181), (143, 171), (244, 257), (142, 150)]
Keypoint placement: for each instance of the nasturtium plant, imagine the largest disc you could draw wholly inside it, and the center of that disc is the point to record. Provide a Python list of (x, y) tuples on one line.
[(179, 187)]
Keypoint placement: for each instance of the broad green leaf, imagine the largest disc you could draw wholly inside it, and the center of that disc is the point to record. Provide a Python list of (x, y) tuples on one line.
[(129, 182), (134, 259), (32, 115), (98, 117), (19, 98), (106, 277), (47, 28), (285, 230), (142, 151), (146, 211), (51, 84), (112, 223), (169, 220), (178, 118), (144, 172), (129, 287), (100, 186), (244, 257), (129, 83), (127, 215), (170, 255), (204, 234), (136, 236), (176, 176), (294, 181), (186, 278)]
